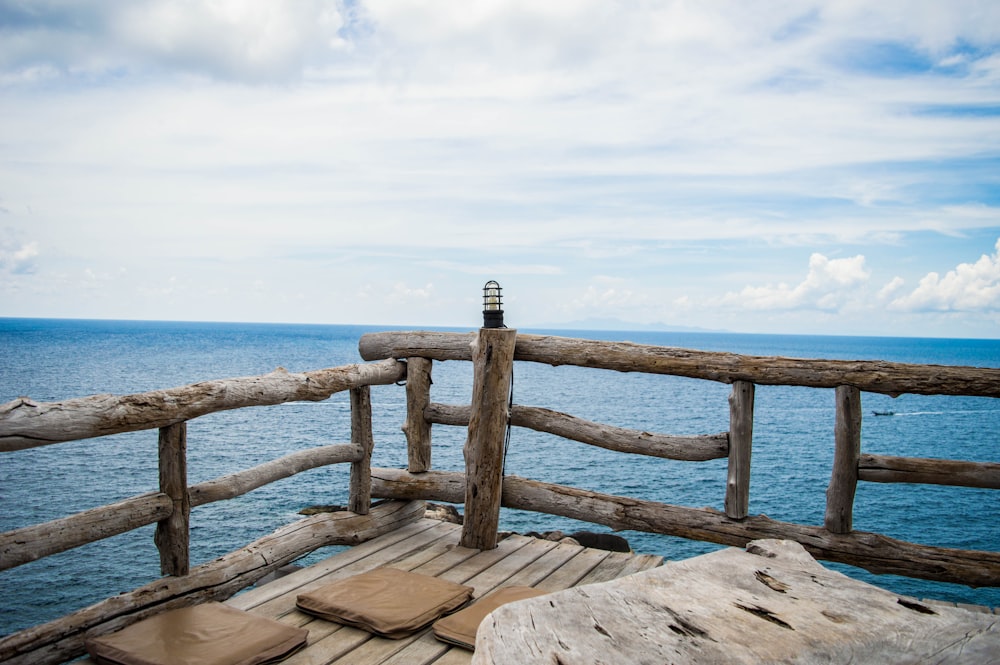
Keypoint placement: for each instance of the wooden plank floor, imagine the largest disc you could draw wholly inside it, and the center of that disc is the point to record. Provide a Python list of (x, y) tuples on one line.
[(429, 547)]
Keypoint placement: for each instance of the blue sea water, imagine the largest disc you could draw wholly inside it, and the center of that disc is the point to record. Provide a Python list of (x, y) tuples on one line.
[(51, 360)]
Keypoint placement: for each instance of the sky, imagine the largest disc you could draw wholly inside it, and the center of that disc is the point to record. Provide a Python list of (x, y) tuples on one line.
[(786, 166)]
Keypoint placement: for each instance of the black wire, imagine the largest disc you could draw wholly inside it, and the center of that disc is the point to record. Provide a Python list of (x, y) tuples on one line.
[(506, 442)]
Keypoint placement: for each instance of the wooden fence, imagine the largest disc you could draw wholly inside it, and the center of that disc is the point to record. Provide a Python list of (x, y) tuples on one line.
[(836, 540), (27, 424)]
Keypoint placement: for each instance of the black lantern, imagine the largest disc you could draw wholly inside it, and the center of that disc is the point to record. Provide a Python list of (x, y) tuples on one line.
[(492, 306)]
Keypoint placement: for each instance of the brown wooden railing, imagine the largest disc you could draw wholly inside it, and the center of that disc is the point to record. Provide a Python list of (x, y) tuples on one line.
[(27, 424), (836, 540)]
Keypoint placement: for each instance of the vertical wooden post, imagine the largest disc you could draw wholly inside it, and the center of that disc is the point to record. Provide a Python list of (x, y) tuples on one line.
[(173, 534), (839, 516), (361, 434), (416, 427), (740, 445), (493, 367)]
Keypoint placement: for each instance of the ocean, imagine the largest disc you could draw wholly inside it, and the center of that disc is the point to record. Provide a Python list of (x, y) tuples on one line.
[(52, 359)]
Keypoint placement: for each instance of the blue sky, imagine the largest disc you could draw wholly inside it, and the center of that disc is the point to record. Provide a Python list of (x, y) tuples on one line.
[(789, 167)]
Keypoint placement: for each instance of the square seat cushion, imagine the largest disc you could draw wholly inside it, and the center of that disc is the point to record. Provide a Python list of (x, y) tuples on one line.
[(207, 634), (460, 628), (386, 601)]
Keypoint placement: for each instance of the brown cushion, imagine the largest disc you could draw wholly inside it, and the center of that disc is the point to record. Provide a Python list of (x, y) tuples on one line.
[(460, 627), (206, 634), (386, 601)]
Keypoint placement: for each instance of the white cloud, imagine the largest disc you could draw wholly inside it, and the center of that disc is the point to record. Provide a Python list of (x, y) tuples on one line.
[(240, 39), (402, 293), (608, 296), (249, 40), (17, 257), (495, 268), (366, 144), (827, 286), (892, 287), (969, 287)]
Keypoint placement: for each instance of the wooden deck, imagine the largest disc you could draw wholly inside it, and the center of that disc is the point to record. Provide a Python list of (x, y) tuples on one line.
[(429, 547)]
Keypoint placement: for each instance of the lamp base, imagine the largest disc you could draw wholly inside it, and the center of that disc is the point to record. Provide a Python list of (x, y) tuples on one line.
[(493, 318)]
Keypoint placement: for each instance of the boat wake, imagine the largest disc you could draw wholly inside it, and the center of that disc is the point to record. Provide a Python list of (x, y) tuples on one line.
[(923, 413)]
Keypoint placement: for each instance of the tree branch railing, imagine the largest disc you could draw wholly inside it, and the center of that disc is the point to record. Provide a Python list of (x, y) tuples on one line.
[(24, 424), (27, 424), (872, 551), (835, 540)]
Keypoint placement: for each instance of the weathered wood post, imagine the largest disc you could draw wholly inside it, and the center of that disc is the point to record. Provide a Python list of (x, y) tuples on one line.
[(740, 445), (173, 534), (493, 367), (839, 515), (417, 428), (360, 500)]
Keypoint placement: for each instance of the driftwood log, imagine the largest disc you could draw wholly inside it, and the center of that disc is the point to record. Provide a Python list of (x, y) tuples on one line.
[(493, 367), (173, 535), (27, 424), (769, 604), (694, 448), (886, 469), (874, 552), (417, 427), (740, 448), (19, 546), (62, 639), (360, 484), (875, 376), (839, 515), (240, 482)]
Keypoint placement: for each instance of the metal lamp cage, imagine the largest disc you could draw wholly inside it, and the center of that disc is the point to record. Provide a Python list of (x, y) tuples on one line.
[(492, 305)]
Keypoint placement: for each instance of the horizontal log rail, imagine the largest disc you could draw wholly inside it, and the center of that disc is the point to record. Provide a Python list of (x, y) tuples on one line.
[(62, 639), (886, 469), (835, 540), (697, 448), (873, 552), (28, 424), (868, 375), (20, 546), (239, 483)]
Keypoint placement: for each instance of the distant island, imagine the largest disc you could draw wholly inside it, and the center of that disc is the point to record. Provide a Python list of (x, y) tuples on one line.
[(618, 324)]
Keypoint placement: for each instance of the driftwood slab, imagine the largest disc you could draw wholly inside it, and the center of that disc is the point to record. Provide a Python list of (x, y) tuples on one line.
[(769, 603)]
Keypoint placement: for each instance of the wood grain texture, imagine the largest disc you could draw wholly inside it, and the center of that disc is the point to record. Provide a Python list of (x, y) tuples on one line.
[(869, 375), (887, 469), (173, 533), (692, 448), (493, 367), (29, 543), (239, 483), (741, 400), (360, 484), (770, 603), (27, 424), (839, 515), (417, 427)]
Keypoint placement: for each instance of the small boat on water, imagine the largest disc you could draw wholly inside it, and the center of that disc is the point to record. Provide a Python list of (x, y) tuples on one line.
[(883, 413)]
